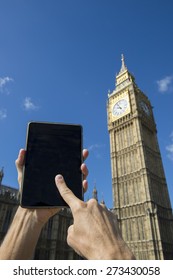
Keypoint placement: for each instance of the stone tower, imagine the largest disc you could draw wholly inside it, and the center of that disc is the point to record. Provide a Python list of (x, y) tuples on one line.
[(140, 193)]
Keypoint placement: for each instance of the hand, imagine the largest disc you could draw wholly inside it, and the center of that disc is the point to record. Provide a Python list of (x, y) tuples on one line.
[(95, 233), (42, 215)]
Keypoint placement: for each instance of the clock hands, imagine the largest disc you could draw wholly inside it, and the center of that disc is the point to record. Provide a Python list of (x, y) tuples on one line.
[(119, 107)]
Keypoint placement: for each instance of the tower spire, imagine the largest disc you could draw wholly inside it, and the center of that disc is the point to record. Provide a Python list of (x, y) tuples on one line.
[(123, 66), (124, 77), (94, 194)]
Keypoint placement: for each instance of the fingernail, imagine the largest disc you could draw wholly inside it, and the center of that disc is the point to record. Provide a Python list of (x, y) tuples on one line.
[(59, 177)]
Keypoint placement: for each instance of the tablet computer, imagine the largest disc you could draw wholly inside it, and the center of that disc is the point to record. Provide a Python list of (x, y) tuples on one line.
[(51, 149)]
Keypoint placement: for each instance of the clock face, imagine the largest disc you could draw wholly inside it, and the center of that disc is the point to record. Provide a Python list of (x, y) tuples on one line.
[(145, 108), (120, 107)]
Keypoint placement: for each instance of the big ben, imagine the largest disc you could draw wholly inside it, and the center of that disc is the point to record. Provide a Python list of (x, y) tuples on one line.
[(140, 194)]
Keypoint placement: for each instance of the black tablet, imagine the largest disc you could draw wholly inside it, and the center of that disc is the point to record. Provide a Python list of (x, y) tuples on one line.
[(51, 149)]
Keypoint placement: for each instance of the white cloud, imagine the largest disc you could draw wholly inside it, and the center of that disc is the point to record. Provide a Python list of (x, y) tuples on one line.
[(29, 105), (169, 148), (171, 136), (165, 84), (96, 148), (3, 82), (3, 114), (170, 151)]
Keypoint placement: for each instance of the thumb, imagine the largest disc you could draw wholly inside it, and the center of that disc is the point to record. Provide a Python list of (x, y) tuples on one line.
[(20, 163)]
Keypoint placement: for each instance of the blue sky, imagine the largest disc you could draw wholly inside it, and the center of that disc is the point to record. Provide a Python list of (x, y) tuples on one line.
[(58, 59)]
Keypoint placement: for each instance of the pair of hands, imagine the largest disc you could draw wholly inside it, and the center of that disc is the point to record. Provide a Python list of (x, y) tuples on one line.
[(95, 233), (43, 215)]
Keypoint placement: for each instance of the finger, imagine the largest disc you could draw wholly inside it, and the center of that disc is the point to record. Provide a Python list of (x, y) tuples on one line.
[(70, 235), (84, 170), (19, 163), (20, 159), (66, 193), (85, 185), (85, 153), (71, 240), (70, 232)]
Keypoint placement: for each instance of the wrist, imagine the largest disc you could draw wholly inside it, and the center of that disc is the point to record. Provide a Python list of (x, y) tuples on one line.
[(39, 216), (29, 216), (22, 235)]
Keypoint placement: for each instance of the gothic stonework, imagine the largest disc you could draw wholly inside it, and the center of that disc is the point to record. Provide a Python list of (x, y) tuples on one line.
[(8, 205), (140, 193)]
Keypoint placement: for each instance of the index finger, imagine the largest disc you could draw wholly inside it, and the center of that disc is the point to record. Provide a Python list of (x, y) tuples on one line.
[(66, 193)]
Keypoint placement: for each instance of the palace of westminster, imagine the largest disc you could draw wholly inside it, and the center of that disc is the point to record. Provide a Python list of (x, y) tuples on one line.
[(140, 194)]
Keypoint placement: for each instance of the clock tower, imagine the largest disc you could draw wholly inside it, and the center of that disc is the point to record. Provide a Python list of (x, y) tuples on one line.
[(140, 193)]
